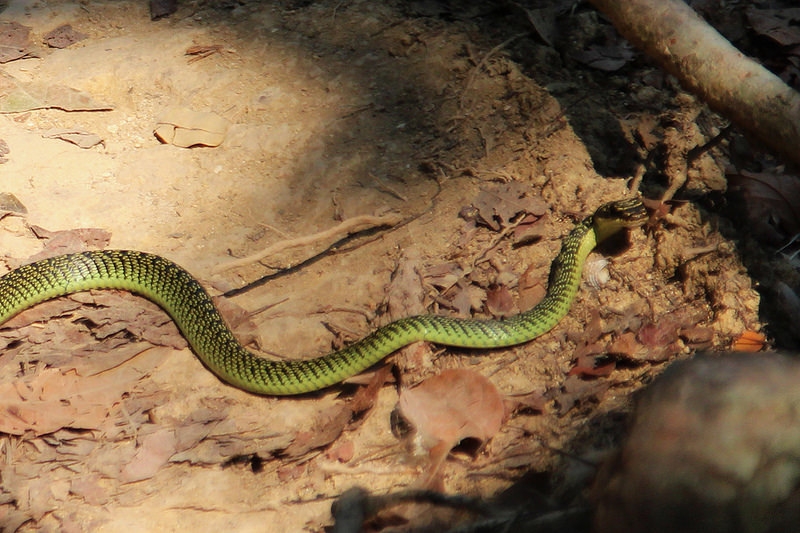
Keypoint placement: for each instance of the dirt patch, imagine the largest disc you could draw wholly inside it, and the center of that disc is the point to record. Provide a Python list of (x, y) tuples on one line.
[(336, 110)]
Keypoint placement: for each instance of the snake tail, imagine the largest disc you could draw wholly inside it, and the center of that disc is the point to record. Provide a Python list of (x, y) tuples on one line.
[(193, 310)]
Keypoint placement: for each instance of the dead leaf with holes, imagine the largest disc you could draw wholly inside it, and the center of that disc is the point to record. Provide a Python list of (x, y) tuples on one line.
[(449, 408)]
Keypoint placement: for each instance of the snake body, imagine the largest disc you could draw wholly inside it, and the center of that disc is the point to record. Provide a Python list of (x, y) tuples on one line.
[(192, 309)]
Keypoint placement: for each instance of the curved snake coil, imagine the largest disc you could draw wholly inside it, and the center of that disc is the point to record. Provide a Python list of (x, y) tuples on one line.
[(190, 306)]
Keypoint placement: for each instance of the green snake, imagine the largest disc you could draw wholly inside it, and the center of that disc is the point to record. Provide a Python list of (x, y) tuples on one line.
[(192, 309)]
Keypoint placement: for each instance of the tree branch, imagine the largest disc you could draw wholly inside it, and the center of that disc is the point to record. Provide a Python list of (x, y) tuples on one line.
[(706, 64)]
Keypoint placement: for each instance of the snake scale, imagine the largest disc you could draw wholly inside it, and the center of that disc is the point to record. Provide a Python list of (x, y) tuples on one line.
[(190, 306)]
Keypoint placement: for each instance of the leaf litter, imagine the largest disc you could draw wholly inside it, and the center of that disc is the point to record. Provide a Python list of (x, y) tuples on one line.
[(79, 370)]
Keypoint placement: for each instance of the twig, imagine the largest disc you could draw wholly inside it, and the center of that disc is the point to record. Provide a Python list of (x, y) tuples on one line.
[(346, 227)]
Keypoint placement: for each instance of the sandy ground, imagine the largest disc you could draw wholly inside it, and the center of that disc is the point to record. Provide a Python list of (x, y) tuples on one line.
[(336, 110)]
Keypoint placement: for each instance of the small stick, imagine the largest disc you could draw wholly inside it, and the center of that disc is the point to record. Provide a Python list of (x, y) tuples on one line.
[(346, 227)]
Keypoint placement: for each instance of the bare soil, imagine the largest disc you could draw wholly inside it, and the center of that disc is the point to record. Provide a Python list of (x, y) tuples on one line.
[(337, 110)]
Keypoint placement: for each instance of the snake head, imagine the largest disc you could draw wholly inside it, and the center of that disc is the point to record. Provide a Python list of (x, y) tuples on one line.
[(615, 216)]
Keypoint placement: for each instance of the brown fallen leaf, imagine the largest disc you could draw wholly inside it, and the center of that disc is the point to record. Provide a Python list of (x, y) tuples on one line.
[(771, 203), (63, 36), (467, 298), (42, 493), (590, 362), (152, 454), (14, 41), (405, 296), (40, 313), (611, 53), (500, 303), (780, 25), (529, 230), (607, 58), (111, 312), (497, 205), (69, 241), (576, 390), (90, 488), (343, 452), (8, 202), (531, 286), (405, 292), (444, 276), (187, 128), (697, 337), (80, 138), (448, 408), (660, 339), (626, 346)]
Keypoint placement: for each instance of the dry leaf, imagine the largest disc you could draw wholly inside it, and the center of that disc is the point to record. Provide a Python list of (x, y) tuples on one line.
[(332, 421), (4, 151), (80, 138), (63, 36), (453, 406), (659, 339), (8, 202), (444, 276), (69, 241), (405, 292), (576, 390), (153, 453), (626, 346), (771, 203), (697, 337), (586, 361), (529, 230), (199, 52), (530, 288), (90, 488), (780, 25), (498, 205), (608, 58), (186, 128), (500, 303), (467, 299), (613, 53), (14, 41)]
